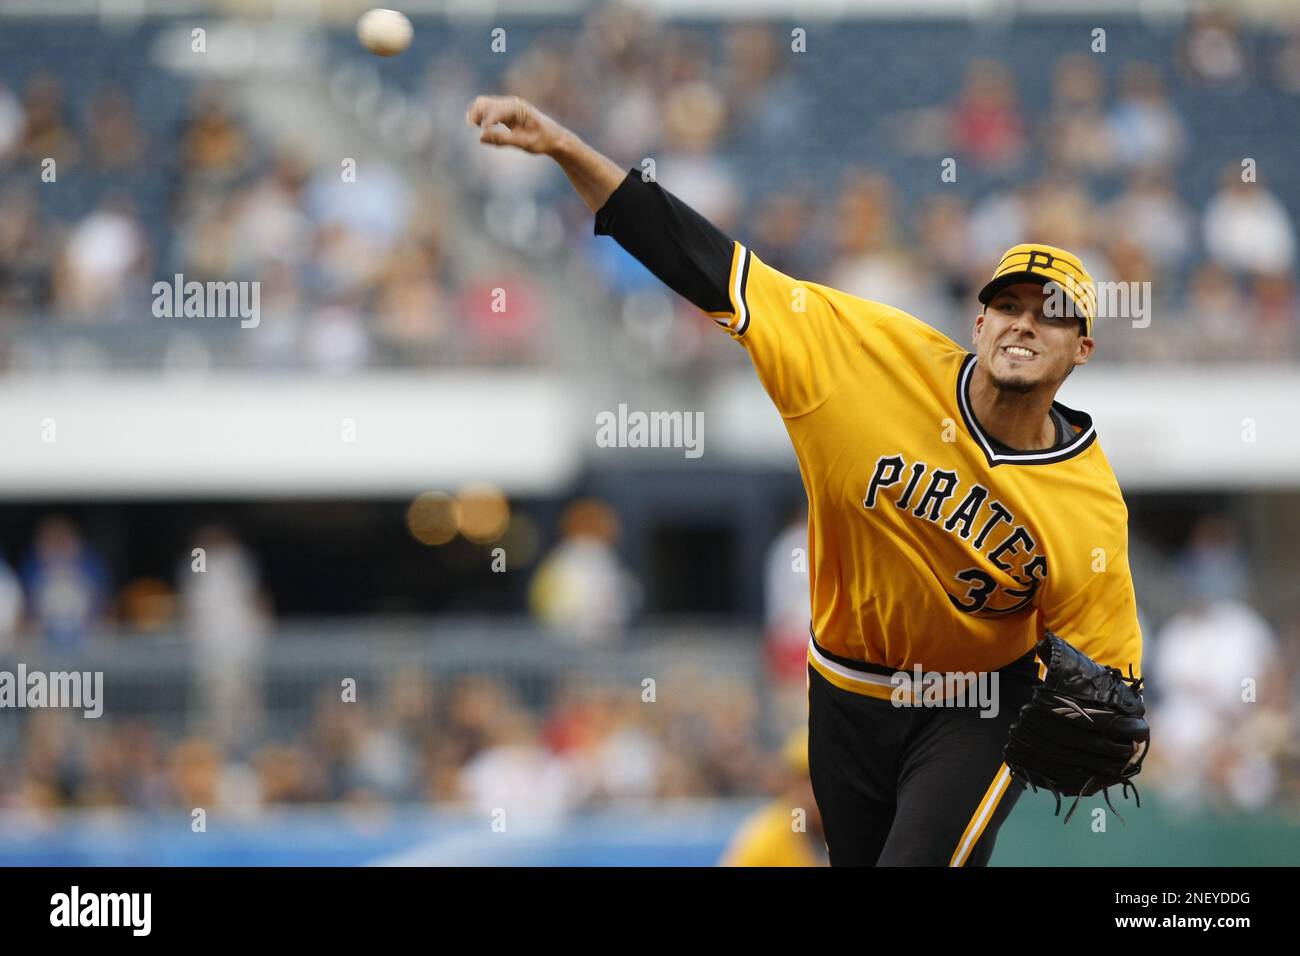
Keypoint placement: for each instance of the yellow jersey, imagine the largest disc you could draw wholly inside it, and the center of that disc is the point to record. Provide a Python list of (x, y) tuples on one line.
[(930, 545)]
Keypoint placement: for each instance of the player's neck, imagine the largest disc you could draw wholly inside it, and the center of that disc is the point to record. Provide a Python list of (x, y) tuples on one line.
[(1020, 420)]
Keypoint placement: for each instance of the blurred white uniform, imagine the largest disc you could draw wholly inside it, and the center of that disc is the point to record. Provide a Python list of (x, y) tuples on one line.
[(223, 621), (1201, 658)]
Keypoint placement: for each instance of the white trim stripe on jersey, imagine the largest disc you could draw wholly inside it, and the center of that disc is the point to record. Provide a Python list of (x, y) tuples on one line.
[(738, 291), (874, 680)]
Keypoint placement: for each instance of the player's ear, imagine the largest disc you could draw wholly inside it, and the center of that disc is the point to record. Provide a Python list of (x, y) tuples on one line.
[(979, 324), (1084, 350)]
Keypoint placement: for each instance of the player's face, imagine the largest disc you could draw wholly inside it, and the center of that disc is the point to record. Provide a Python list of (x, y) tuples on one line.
[(1020, 348)]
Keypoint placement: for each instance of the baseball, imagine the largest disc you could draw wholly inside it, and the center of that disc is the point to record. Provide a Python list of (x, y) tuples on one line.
[(384, 32)]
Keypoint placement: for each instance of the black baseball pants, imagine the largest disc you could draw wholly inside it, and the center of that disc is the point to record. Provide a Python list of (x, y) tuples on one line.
[(911, 786)]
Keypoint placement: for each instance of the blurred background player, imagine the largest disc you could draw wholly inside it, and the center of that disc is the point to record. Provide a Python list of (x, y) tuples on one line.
[(225, 617), (787, 831), (581, 591)]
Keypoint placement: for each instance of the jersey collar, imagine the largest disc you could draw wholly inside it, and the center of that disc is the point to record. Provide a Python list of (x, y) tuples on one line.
[(1085, 437)]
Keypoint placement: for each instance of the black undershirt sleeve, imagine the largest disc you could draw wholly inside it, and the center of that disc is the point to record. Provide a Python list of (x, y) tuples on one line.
[(680, 247)]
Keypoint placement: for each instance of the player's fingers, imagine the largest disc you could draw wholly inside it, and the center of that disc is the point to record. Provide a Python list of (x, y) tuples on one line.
[(500, 136), (474, 115), (500, 109), (518, 112), (511, 110), (485, 111)]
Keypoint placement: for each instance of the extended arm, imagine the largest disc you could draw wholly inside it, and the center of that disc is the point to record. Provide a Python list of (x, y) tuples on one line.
[(679, 246), (594, 176)]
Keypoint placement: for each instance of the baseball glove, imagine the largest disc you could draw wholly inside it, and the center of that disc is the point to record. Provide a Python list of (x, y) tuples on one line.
[(1083, 731)]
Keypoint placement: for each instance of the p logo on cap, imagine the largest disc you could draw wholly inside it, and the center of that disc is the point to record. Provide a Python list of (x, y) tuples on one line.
[(1032, 262)]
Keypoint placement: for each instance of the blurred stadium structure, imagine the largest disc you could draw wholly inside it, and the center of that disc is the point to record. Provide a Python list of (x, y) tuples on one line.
[(380, 469)]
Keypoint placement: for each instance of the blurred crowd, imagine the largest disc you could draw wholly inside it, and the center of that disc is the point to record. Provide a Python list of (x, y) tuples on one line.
[(352, 262), (1103, 170), (468, 742), (60, 594), (1223, 687), (366, 272)]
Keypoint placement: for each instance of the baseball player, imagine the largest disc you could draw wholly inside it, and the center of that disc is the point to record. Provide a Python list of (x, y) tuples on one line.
[(959, 520), (774, 834)]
